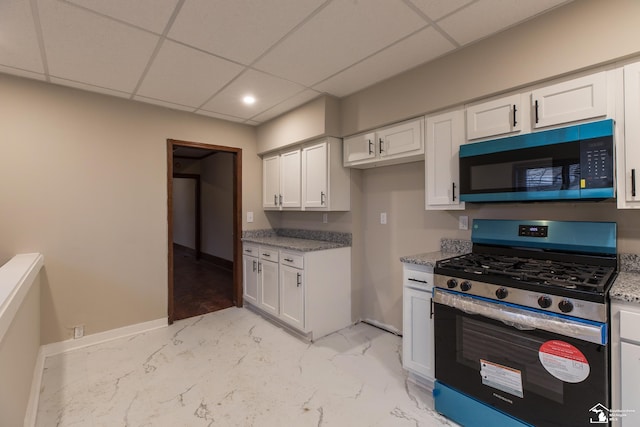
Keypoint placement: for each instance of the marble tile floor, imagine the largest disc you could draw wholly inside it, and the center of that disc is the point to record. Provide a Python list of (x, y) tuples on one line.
[(233, 368)]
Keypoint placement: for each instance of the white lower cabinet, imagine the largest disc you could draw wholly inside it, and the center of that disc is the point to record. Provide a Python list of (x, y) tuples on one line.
[(417, 324), (625, 364), (250, 273), (307, 291)]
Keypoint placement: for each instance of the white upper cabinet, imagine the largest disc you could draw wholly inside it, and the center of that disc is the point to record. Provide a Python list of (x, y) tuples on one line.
[(281, 181), (360, 147), (444, 134), (628, 154), (401, 140), (326, 184), (290, 179), (572, 100), (497, 117), (399, 143), (271, 182)]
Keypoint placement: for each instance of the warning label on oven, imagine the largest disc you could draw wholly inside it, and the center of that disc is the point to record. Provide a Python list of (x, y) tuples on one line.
[(564, 361), (501, 377)]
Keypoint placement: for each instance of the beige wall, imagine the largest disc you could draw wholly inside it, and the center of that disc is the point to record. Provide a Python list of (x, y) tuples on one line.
[(83, 181), (317, 118), (18, 353)]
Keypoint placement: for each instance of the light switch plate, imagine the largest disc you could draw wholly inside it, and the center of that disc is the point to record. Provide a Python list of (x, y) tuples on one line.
[(463, 222), (249, 216), (383, 218)]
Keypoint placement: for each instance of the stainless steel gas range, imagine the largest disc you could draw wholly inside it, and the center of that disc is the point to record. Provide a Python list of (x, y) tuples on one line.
[(521, 324)]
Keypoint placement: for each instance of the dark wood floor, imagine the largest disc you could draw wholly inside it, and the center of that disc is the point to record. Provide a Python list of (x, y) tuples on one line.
[(199, 286)]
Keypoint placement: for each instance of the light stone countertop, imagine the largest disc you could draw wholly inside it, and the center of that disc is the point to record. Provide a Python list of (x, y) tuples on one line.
[(626, 287), (427, 258), (294, 244)]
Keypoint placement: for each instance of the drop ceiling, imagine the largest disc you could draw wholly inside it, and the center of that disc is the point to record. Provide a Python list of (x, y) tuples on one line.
[(204, 56)]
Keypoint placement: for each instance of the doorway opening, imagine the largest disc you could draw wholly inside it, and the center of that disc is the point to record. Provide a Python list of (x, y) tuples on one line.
[(204, 193)]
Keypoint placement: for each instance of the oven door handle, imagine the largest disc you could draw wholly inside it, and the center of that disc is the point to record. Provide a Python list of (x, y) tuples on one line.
[(524, 319)]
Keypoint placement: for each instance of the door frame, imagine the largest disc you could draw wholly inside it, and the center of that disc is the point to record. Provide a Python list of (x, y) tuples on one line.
[(237, 217)]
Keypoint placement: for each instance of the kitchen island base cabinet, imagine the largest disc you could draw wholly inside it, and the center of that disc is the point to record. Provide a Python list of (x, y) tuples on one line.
[(313, 292), (417, 324)]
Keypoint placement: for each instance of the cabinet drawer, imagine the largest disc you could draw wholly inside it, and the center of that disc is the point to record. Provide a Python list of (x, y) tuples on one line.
[(629, 329), (268, 254), (418, 278), (292, 259), (250, 250)]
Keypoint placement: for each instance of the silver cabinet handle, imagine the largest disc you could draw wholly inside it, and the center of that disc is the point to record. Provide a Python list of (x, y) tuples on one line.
[(381, 145), (259, 267), (280, 199), (298, 280), (275, 200), (322, 196), (267, 255), (254, 266), (370, 146), (289, 259), (248, 251)]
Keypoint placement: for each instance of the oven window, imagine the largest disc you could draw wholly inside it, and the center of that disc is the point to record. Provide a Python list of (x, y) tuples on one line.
[(478, 340)]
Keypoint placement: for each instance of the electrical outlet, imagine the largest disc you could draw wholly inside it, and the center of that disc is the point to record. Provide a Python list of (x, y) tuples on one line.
[(78, 332), (463, 222), (383, 218), (249, 216), (325, 218)]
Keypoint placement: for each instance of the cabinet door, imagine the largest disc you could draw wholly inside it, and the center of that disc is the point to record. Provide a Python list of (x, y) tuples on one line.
[(290, 179), (271, 182), (314, 176), (577, 99), (630, 383), (629, 175), (358, 148), (417, 333), (292, 296), (401, 139), (268, 295), (498, 117), (445, 133), (250, 279)]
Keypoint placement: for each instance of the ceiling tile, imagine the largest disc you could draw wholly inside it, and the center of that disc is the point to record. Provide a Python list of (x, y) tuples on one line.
[(421, 47), (436, 9), (162, 103), (18, 38), (497, 15), (339, 35), (90, 88), (85, 47), (240, 29), (152, 15), (267, 90), (186, 76), (286, 105)]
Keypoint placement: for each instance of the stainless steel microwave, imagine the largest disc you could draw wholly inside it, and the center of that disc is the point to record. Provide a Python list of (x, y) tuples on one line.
[(575, 162)]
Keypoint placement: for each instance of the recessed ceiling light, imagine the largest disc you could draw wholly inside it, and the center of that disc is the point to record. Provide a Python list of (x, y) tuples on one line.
[(248, 100)]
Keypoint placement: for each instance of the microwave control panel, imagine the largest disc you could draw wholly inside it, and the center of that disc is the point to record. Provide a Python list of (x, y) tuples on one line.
[(596, 160)]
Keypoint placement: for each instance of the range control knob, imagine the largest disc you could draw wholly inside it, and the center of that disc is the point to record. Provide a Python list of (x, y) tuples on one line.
[(565, 306), (465, 286), (452, 283), (544, 301), (502, 293)]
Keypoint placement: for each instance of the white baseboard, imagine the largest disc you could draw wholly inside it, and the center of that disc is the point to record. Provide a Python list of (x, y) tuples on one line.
[(383, 326), (74, 344), (100, 337)]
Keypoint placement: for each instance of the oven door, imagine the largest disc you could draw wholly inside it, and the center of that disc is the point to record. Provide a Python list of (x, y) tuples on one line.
[(502, 355)]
